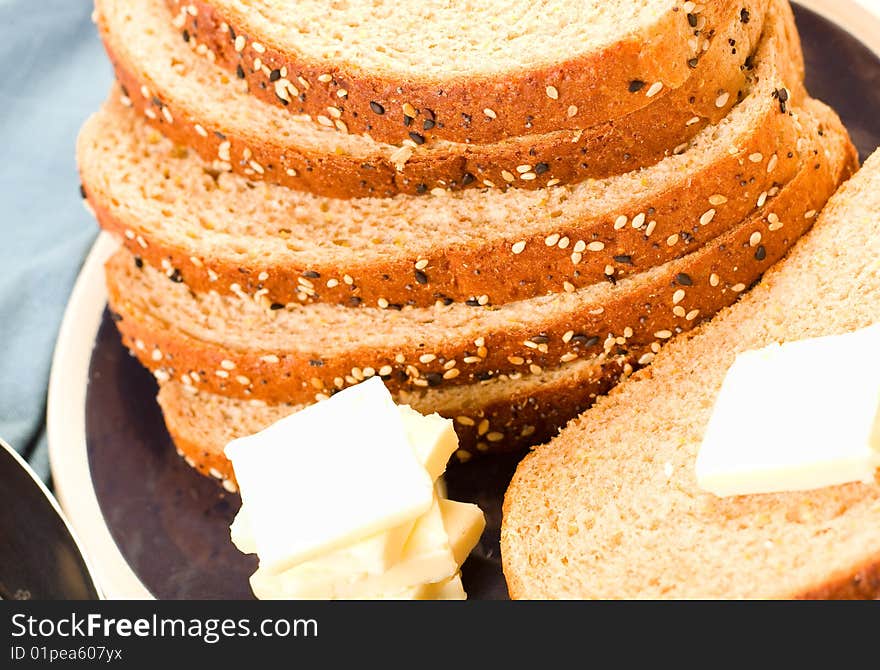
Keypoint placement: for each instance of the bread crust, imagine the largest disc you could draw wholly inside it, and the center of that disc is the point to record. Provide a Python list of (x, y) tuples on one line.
[(520, 100), (504, 270), (533, 161), (642, 317), (521, 420)]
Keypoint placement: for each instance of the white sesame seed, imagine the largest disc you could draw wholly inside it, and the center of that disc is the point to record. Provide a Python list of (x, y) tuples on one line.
[(755, 239), (563, 243), (507, 176), (646, 358), (693, 314), (722, 99), (663, 334), (421, 264), (707, 217), (580, 246), (259, 48), (717, 199), (568, 287), (528, 176), (221, 373), (756, 157), (810, 214), (672, 240), (650, 228), (240, 42), (655, 88), (426, 358), (577, 257), (572, 111), (638, 220), (518, 247), (762, 199), (620, 222), (771, 164), (552, 93), (714, 279), (738, 288), (490, 113), (551, 240), (678, 296), (596, 246), (679, 311)]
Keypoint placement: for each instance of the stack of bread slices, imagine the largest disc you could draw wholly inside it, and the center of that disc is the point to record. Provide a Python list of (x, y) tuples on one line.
[(501, 209)]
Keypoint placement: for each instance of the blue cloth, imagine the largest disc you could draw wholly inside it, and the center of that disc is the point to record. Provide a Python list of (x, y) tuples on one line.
[(53, 74)]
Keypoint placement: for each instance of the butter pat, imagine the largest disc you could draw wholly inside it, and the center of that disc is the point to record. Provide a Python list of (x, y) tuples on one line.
[(440, 542), (433, 441), (427, 558), (797, 416), (329, 476)]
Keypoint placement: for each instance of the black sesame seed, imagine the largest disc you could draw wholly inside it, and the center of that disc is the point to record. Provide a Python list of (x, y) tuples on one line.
[(684, 279), (186, 35), (611, 279), (468, 178), (157, 101), (744, 15), (275, 306), (415, 137), (626, 260), (472, 302), (82, 191), (175, 276), (483, 376), (396, 306), (783, 94), (585, 340), (220, 135), (434, 379), (354, 301), (693, 62), (541, 168), (540, 339), (760, 253), (692, 20), (421, 188), (316, 362), (377, 108), (239, 71), (275, 75), (636, 85), (407, 120), (466, 118), (421, 277), (427, 124), (311, 274), (446, 300), (138, 262)]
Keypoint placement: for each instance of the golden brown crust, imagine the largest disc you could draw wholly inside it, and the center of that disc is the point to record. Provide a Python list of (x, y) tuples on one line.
[(533, 161), (706, 282), (455, 108), (515, 423), (700, 207)]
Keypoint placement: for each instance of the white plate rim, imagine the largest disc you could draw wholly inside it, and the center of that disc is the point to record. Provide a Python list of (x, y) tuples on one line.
[(68, 457)]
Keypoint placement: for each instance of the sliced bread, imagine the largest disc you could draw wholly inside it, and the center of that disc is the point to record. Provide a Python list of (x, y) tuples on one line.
[(227, 233), (298, 352), (611, 508), (503, 414), (200, 105), (474, 71)]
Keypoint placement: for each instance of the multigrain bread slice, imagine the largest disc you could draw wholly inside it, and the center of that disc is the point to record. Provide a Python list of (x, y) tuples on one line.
[(301, 352), (199, 105), (502, 414), (474, 71), (224, 232), (611, 508)]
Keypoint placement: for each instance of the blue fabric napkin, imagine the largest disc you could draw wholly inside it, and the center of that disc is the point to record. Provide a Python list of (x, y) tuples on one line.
[(53, 74)]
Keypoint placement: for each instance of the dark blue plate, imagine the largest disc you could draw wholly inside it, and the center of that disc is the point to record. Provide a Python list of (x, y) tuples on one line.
[(172, 525)]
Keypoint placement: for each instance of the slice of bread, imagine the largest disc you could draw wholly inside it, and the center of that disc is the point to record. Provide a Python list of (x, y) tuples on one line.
[(503, 414), (227, 233), (611, 508), (475, 71), (299, 352), (200, 105)]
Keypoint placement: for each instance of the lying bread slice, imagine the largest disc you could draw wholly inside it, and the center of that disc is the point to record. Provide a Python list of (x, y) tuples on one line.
[(611, 508), (476, 71), (227, 233), (503, 414), (297, 353), (200, 105)]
